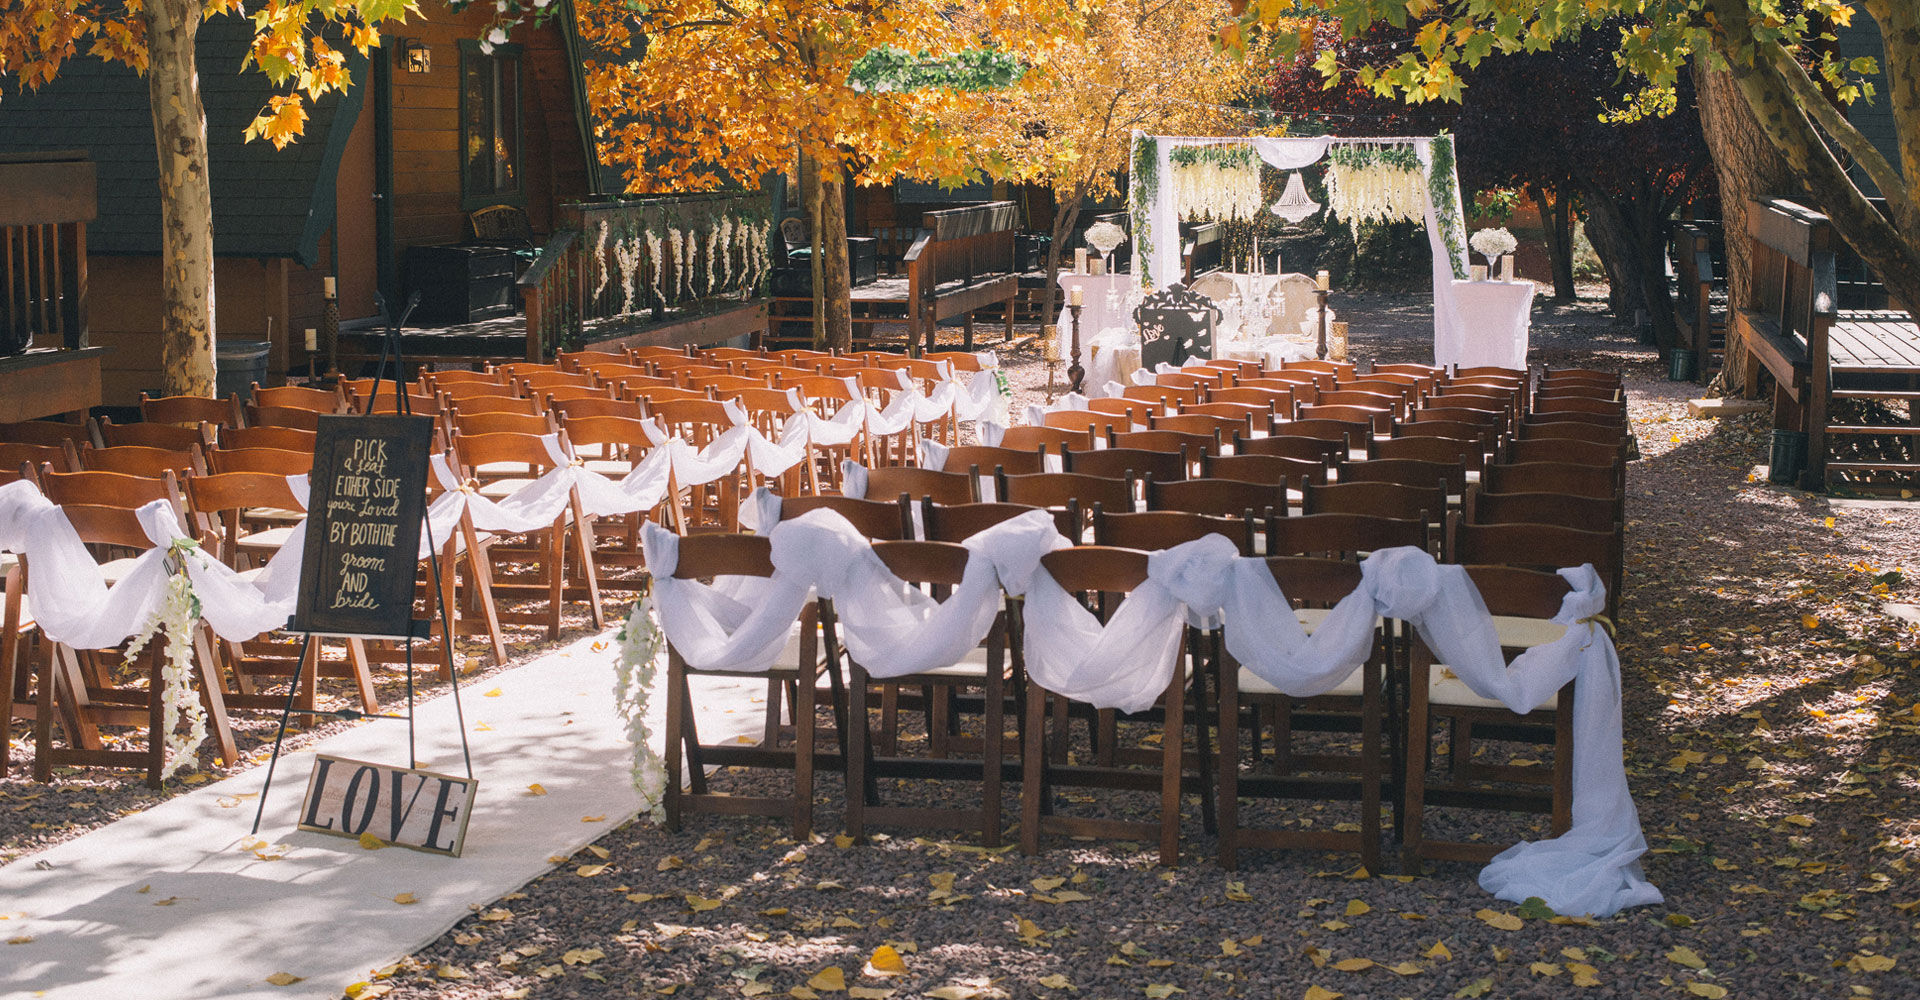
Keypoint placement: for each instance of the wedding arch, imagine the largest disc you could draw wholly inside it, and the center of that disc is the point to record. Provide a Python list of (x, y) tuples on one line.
[(1405, 177)]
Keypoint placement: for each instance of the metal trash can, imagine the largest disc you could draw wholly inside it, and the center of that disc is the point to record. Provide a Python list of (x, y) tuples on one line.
[(1788, 457), (1681, 365), (238, 364)]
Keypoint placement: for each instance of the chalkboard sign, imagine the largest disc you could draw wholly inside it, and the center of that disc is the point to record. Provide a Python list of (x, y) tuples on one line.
[(367, 497), (1176, 323)]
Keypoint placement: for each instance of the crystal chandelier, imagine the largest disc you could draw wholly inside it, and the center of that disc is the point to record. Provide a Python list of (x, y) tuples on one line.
[(1294, 205)]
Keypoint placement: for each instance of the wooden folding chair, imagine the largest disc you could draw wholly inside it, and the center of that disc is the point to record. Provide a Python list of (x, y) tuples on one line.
[(79, 687), (191, 411), (1063, 490), (938, 567), (543, 554), (1134, 463), (1523, 603), (1313, 585), (1102, 577)]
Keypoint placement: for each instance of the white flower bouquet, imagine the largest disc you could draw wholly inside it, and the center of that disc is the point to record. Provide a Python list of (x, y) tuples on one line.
[(1493, 243)]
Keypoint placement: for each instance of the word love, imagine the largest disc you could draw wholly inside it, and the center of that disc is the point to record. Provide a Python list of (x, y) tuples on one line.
[(401, 806)]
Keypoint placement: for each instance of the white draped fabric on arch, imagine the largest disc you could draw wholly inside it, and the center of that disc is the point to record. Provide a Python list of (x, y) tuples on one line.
[(1158, 211)]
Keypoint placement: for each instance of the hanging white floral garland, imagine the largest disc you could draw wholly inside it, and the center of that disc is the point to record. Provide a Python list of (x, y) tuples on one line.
[(1220, 182), (627, 253), (636, 672), (600, 261), (654, 262), (723, 258), (677, 245), (1375, 184), (179, 615), (713, 255)]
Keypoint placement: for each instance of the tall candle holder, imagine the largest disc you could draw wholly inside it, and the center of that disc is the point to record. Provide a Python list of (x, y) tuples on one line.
[(1050, 352), (1075, 373), (1320, 348), (330, 327)]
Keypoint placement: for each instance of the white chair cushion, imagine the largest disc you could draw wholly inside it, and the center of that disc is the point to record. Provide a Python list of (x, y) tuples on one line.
[(1444, 687)]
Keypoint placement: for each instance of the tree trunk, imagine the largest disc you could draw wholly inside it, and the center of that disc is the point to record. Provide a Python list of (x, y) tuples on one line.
[(1066, 215), (1557, 219), (186, 198), (1608, 234), (1629, 233), (1747, 167), (810, 198), (833, 290)]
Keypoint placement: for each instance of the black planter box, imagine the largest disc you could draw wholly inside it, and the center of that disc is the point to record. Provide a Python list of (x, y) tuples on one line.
[(863, 259), (460, 283)]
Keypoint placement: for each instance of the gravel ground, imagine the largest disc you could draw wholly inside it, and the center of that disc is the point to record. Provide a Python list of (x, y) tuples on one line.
[(1771, 730)]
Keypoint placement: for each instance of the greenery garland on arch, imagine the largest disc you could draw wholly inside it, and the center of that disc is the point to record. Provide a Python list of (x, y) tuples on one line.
[(1444, 190), (1145, 181)]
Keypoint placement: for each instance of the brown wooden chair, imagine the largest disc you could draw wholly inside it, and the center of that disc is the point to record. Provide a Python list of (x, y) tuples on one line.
[(1219, 497), (1148, 530), (222, 508), (282, 416), (689, 761), (549, 557), (1326, 451), (1063, 490), (1116, 463), (1357, 434), (191, 411), (923, 484), (297, 397), (1408, 472), (1523, 602), (1426, 505), (1312, 585), (1027, 437), (1395, 404), (699, 422), (282, 438), (141, 460), (46, 433), (80, 687), (1188, 422), (937, 567), (1092, 422), (1270, 469), (1101, 576), (275, 461), (1168, 398), (1608, 433), (580, 361), (1138, 411), (1485, 507), (986, 458), (1377, 419), (1192, 445), (958, 522), (1278, 403), (1258, 416), (1345, 536), (1586, 406), (1342, 371)]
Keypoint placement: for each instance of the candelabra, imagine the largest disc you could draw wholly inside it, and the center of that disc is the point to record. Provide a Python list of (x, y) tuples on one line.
[(1074, 372), (1050, 352)]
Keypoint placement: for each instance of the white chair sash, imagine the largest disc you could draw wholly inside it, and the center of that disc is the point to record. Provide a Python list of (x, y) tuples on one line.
[(737, 624)]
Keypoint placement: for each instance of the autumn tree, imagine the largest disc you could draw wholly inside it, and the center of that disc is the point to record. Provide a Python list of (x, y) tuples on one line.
[(698, 94), (1775, 53), (1149, 65), (300, 44)]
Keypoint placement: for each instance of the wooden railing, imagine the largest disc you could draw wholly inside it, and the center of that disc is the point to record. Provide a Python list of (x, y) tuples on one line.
[(46, 202), (617, 267)]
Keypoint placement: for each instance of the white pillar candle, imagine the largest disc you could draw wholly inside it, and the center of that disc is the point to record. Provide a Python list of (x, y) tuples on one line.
[(1097, 266), (1080, 261), (328, 287), (1078, 296), (313, 339), (1323, 280)]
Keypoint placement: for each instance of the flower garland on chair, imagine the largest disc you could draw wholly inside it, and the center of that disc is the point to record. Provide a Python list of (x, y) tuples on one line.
[(1375, 184), (636, 672), (179, 615)]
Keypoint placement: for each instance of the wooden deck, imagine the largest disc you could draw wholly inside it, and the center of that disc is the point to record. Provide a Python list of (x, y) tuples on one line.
[(505, 338), (1874, 342)]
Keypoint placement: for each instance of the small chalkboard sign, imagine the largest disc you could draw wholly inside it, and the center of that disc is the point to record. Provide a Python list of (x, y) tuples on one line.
[(1175, 323), (366, 500)]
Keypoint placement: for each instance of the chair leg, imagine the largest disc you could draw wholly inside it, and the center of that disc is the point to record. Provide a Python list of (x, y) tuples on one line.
[(9, 660), (992, 736), (1563, 762), (1033, 787), (1228, 794), (218, 725), (363, 677), (1172, 750), (157, 717), (583, 544), (803, 729), (555, 572), (1413, 789), (1370, 768), (859, 756)]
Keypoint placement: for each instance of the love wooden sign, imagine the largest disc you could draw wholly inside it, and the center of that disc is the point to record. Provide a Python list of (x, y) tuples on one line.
[(402, 806)]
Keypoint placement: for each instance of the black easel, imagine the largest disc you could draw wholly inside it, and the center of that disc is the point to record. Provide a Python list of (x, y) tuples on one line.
[(392, 365)]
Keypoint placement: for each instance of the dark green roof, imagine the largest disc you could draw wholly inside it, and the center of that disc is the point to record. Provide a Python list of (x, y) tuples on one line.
[(266, 202)]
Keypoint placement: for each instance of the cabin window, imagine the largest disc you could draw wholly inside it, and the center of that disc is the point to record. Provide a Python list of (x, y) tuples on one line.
[(490, 126)]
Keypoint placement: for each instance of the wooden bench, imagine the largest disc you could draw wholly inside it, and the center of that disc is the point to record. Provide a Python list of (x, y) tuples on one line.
[(1696, 279), (1785, 325)]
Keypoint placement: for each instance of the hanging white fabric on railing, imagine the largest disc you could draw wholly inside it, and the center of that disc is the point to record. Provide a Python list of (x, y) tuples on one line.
[(735, 624), (1594, 867)]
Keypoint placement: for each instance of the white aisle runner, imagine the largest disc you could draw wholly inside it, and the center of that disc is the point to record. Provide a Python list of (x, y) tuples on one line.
[(167, 904)]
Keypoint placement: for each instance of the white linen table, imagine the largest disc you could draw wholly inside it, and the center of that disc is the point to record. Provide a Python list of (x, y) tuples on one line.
[(1497, 317)]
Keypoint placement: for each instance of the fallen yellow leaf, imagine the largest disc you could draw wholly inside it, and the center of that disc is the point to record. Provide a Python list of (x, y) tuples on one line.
[(1709, 990), (1056, 982), (495, 693), (1439, 951), (1356, 908), (1354, 964), (1500, 921), (1870, 963), (593, 819), (830, 979), (536, 789), (1810, 621), (283, 979), (370, 842), (1687, 957), (406, 899), (1316, 993), (869, 993), (885, 961)]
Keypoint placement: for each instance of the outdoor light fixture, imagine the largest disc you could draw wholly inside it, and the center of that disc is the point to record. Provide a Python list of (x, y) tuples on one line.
[(1294, 204), (415, 57)]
